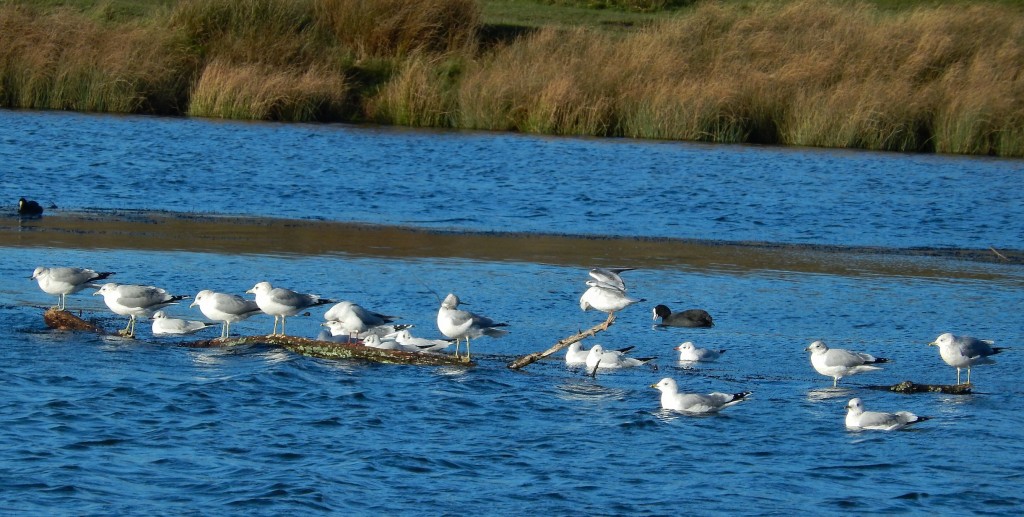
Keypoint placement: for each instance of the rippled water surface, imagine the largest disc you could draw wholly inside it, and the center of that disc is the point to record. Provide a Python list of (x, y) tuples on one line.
[(100, 425)]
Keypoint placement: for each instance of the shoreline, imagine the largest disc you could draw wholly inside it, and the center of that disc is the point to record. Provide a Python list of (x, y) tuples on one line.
[(146, 230)]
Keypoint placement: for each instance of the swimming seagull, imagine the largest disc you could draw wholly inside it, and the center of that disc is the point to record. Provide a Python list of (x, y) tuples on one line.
[(964, 352), (281, 303), (838, 363), (354, 319), (164, 325), (689, 352), (225, 308), (134, 301), (857, 419), (598, 357), (607, 291), (63, 281), (692, 318), (693, 402), (576, 354), (457, 324)]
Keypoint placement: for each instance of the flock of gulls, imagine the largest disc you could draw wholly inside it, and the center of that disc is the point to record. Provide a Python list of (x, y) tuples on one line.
[(606, 292)]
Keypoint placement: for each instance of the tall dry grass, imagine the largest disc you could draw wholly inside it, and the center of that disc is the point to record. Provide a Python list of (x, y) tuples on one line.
[(799, 73), (64, 60)]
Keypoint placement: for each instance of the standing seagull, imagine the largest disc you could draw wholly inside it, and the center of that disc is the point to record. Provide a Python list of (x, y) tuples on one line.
[(164, 325), (607, 291), (693, 402), (134, 301), (281, 303), (838, 363), (964, 352), (457, 324), (857, 419), (63, 281), (225, 308), (354, 319)]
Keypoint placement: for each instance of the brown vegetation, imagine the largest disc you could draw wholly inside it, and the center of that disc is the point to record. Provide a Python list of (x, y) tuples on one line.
[(831, 74)]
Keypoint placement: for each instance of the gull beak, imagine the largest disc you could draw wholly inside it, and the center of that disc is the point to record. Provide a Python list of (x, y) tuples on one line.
[(193, 304), (655, 386), (933, 343), (249, 291)]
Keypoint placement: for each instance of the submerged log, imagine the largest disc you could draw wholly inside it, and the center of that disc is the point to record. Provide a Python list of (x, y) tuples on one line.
[(332, 350), (912, 387), (537, 356), (58, 319), (64, 320)]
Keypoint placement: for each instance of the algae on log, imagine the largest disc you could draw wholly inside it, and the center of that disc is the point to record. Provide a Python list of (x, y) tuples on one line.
[(58, 319), (912, 387), (537, 356), (64, 320), (332, 350)]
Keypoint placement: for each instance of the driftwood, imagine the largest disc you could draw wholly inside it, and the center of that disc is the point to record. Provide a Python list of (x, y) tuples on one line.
[(912, 387), (64, 320), (537, 356)]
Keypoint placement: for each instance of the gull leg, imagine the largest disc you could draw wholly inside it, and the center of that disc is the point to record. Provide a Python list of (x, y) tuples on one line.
[(457, 343), (968, 375), (282, 325), (835, 382), (958, 375), (467, 349)]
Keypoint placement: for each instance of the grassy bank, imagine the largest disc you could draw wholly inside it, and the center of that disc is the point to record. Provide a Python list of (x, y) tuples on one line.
[(896, 75)]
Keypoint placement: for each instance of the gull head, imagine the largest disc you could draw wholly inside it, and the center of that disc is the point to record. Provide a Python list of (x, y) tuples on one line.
[(200, 296), (262, 287), (855, 406), (666, 384), (817, 347), (106, 289), (159, 315), (450, 302), (38, 272), (685, 346), (943, 339)]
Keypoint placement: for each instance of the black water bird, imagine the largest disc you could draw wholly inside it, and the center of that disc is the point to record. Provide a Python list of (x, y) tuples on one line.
[(28, 207), (693, 318)]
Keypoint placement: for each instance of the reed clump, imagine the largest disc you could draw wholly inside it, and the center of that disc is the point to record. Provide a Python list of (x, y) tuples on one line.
[(793, 72), (65, 60)]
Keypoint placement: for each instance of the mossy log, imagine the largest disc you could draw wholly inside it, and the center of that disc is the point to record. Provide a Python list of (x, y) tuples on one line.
[(912, 387), (64, 320), (537, 356), (332, 350), (58, 319)]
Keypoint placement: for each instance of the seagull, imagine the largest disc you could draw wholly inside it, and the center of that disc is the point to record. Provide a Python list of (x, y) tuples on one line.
[(610, 277), (375, 341), (281, 303), (577, 355), (63, 281), (134, 301), (693, 402), (337, 333), (692, 318), (598, 357), (28, 207), (838, 363), (964, 352), (355, 319), (225, 308), (689, 352), (405, 337), (857, 419), (164, 325), (457, 324)]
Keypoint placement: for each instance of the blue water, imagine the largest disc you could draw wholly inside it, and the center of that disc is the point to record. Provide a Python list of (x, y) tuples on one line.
[(94, 425), (485, 181)]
